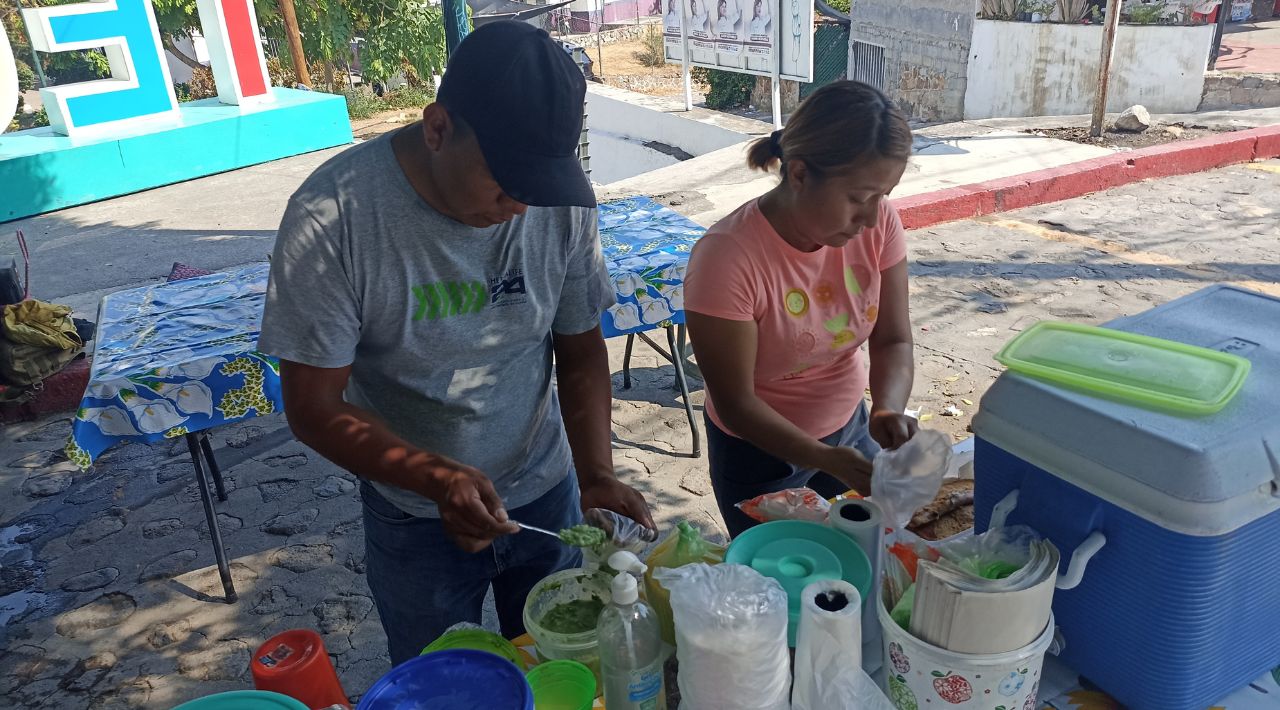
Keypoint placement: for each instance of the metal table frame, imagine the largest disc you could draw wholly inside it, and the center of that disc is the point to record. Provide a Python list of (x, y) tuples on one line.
[(676, 336), (200, 448)]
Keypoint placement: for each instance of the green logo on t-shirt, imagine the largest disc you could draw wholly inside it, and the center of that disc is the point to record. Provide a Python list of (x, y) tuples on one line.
[(449, 298)]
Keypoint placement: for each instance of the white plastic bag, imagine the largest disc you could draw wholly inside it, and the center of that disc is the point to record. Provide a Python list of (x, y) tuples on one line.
[(848, 689), (731, 637), (908, 477)]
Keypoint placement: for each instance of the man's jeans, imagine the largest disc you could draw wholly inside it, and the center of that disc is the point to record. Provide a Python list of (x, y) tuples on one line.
[(423, 583)]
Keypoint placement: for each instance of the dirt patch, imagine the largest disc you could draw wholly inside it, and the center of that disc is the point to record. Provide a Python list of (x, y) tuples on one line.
[(384, 122), (619, 67), (1155, 135)]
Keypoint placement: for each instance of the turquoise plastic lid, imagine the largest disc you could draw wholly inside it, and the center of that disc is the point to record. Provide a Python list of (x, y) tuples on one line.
[(244, 700), (797, 553)]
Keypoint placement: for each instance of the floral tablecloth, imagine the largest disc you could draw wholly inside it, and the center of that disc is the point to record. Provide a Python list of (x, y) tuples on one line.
[(180, 357), (646, 246), (176, 358)]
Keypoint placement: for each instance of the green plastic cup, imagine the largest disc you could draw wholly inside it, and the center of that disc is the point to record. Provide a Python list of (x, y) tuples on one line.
[(562, 685), (477, 640)]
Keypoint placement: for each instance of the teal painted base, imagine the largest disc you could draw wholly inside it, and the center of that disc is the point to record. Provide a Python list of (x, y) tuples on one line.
[(41, 171)]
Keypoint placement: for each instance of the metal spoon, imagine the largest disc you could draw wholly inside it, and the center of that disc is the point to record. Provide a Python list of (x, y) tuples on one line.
[(544, 531)]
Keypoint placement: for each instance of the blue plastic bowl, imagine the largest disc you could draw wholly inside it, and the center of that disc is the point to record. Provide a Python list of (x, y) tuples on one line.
[(458, 679)]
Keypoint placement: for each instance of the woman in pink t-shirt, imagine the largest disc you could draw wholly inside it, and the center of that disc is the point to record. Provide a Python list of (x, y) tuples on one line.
[(782, 293)]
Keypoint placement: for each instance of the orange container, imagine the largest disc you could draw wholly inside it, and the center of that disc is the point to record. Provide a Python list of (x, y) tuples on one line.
[(296, 664)]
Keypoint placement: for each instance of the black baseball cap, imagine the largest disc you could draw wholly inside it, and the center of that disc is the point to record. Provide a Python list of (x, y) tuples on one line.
[(523, 96)]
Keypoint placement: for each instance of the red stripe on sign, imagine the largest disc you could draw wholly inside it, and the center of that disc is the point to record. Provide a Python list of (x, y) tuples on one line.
[(243, 38)]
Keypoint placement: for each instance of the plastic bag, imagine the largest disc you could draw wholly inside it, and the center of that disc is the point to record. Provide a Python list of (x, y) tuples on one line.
[(995, 554), (791, 504), (848, 688), (682, 546), (908, 477), (623, 534), (731, 632)]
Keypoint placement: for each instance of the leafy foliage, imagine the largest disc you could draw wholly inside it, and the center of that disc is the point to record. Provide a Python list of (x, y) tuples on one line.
[(653, 50), (26, 76), (725, 89)]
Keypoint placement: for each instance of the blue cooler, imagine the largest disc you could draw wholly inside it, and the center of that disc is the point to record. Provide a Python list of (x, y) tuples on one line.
[(1169, 526)]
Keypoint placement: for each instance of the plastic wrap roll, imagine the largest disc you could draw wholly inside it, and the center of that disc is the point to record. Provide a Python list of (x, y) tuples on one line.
[(828, 643), (863, 521)]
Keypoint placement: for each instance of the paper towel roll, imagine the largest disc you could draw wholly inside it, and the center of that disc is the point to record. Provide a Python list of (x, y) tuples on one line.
[(828, 640), (862, 520)]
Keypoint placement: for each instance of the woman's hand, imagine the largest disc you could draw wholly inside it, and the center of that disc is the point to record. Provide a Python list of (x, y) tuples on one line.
[(892, 429), (848, 466)]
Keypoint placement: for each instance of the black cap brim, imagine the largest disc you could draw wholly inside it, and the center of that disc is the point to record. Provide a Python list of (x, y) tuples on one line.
[(539, 180)]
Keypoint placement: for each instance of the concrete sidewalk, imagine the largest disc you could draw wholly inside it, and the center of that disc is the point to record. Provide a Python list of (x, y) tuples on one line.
[(1251, 47)]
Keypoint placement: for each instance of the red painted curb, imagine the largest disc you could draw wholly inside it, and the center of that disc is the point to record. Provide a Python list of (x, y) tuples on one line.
[(1084, 177)]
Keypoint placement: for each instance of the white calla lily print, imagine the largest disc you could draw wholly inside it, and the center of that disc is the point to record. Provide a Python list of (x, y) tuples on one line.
[(189, 397)]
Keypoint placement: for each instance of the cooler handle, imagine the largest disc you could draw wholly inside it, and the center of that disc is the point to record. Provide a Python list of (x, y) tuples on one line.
[(1000, 512), (1080, 558)]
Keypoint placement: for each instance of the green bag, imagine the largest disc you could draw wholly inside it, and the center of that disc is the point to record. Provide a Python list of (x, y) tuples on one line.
[(26, 365)]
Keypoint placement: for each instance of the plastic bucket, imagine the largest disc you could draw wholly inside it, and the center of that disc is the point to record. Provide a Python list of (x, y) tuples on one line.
[(477, 640), (458, 679), (244, 700), (921, 675), (560, 588), (296, 664), (562, 685)]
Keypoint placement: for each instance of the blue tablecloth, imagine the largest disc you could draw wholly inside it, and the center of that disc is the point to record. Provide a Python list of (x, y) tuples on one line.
[(176, 358), (180, 357), (647, 250)]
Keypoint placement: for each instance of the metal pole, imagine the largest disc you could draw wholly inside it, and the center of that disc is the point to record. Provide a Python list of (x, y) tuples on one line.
[(685, 70), (291, 32), (600, 45), (35, 58), (1224, 12), (776, 79), (1104, 67)]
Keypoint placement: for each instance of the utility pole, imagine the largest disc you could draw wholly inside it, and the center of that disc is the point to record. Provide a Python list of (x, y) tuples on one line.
[(291, 32), (1104, 67), (1224, 13), (456, 24)]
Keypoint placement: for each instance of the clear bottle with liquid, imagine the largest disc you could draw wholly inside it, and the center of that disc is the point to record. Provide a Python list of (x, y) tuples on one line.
[(631, 653)]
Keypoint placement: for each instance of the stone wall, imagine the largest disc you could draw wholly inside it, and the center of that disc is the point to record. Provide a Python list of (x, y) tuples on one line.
[(1236, 90), (926, 51)]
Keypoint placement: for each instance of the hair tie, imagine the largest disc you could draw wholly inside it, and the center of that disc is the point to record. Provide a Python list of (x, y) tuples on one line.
[(775, 144)]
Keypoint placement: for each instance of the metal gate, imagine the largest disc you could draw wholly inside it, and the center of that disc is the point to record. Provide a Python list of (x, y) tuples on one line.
[(866, 63), (830, 56)]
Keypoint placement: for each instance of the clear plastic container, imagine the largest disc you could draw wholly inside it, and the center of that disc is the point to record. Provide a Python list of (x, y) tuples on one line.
[(1152, 372), (560, 588)]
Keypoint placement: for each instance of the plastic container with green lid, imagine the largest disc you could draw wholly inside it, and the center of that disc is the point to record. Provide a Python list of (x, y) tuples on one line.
[(244, 700), (1146, 371), (477, 640), (796, 553), (562, 685)]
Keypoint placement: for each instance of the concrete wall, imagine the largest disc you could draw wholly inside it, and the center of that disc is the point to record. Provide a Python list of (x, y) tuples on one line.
[(1223, 90), (633, 133), (926, 51), (1041, 69), (194, 47)]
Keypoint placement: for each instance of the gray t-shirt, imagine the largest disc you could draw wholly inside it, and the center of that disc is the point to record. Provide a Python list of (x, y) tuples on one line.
[(447, 327)]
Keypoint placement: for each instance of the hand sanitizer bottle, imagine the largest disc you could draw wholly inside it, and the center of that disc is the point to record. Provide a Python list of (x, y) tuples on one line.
[(630, 640)]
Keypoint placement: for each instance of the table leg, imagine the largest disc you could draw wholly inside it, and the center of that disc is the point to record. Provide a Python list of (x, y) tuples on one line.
[(219, 552), (207, 448), (626, 362), (678, 362)]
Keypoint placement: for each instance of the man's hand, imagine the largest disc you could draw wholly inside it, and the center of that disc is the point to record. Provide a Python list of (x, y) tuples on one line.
[(470, 509), (611, 494), (892, 429), (850, 467)]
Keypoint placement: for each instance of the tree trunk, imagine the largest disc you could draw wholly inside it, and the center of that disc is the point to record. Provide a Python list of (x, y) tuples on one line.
[(169, 45)]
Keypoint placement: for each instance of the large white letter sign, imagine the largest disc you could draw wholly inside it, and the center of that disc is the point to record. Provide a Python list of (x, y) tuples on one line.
[(140, 86), (8, 81), (235, 51)]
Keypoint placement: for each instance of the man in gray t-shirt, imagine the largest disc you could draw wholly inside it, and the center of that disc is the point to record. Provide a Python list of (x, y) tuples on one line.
[(421, 287)]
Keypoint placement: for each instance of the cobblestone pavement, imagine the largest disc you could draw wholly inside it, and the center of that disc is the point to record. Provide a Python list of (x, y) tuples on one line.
[(108, 593)]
